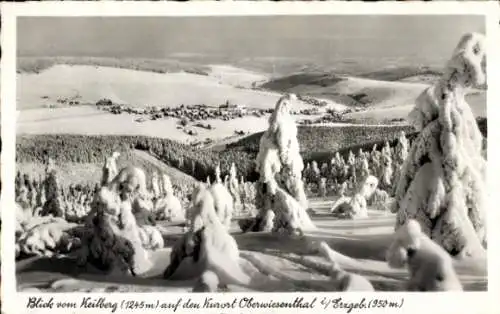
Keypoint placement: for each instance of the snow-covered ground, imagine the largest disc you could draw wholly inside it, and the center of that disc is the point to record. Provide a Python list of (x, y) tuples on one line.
[(275, 263), (139, 88), (235, 76)]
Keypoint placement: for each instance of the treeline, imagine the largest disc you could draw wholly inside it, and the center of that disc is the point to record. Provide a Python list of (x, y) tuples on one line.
[(317, 144), (94, 149), (316, 139)]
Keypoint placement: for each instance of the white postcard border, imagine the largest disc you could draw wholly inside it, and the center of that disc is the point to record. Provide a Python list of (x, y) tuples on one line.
[(470, 302)]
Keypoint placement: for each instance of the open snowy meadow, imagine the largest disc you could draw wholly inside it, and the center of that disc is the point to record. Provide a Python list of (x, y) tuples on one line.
[(329, 153)]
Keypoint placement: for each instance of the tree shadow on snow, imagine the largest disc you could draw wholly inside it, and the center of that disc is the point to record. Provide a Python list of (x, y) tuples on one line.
[(372, 247), (41, 271)]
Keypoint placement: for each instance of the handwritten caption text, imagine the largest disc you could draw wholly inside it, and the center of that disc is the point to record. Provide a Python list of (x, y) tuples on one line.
[(335, 303)]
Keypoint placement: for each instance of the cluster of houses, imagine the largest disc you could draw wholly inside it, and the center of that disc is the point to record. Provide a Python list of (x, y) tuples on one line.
[(188, 114), (312, 101)]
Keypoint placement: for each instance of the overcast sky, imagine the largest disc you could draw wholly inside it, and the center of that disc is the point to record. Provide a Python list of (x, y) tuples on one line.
[(320, 37)]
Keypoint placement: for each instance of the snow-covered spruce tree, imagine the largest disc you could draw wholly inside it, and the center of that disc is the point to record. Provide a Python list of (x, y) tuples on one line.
[(386, 168), (387, 149), (155, 185), (243, 196), (166, 186), (333, 169), (324, 170), (323, 189), (103, 244), (241, 187), (233, 184), (249, 196), (279, 161), (356, 206), (442, 183), (338, 168), (41, 198), (362, 168), (22, 194), (351, 169), (401, 148), (206, 246), (315, 173), (112, 238), (53, 204), (307, 173), (342, 190), (168, 206), (375, 161), (351, 159), (35, 193), (353, 178), (400, 155), (30, 189), (346, 175), (288, 215), (361, 154), (217, 174), (339, 160), (109, 169), (18, 182), (41, 235)]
